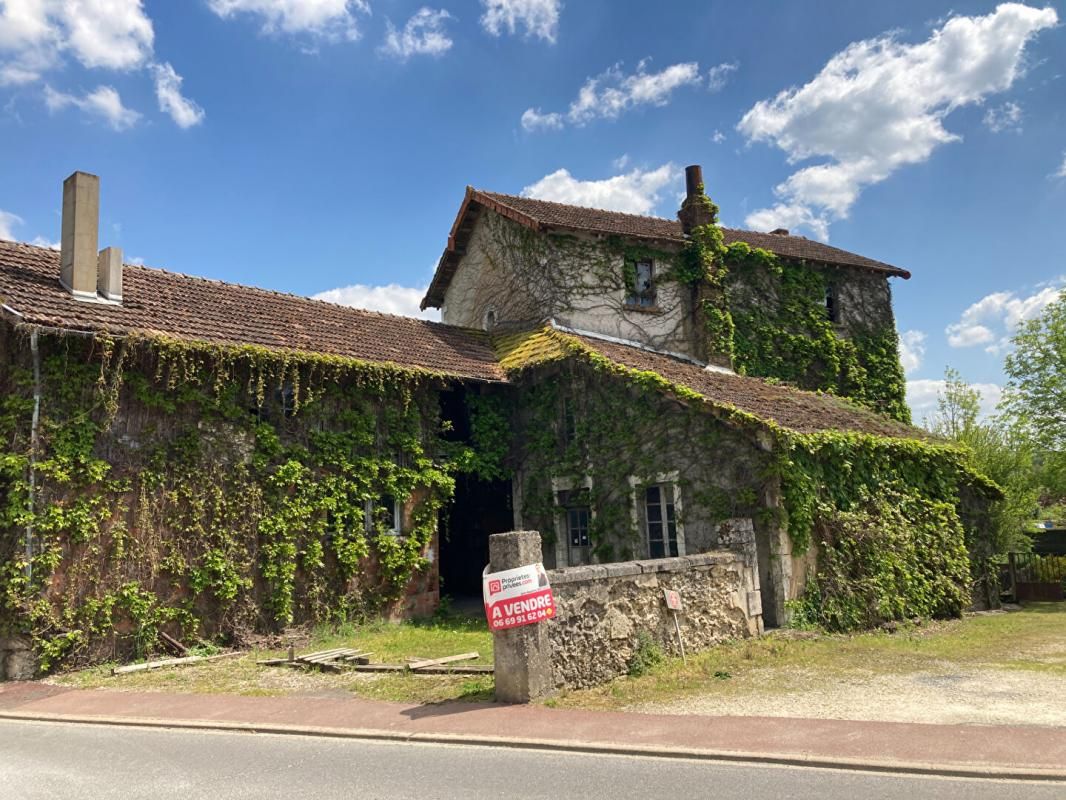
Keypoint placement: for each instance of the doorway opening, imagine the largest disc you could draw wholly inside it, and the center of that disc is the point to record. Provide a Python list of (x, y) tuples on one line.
[(479, 509)]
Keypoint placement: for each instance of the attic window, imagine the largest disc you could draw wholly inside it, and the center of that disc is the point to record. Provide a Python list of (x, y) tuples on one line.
[(642, 287), (832, 305)]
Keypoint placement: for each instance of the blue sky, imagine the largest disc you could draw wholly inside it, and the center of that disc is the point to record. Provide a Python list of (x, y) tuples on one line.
[(317, 145)]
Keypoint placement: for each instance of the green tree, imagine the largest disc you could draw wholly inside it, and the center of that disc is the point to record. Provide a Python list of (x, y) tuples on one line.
[(958, 405), (1035, 397), (998, 452)]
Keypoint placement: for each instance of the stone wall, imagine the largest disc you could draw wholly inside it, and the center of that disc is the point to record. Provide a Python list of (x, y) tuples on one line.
[(17, 659), (603, 608)]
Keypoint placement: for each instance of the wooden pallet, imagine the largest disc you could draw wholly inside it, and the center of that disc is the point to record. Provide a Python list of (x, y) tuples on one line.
[(349, 658)]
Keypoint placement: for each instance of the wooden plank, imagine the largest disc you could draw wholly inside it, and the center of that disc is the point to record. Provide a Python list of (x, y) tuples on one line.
[(436, 662), (170, 662), (456, 669), (361, 657), (347, 651), (307, 656), (444, 669)]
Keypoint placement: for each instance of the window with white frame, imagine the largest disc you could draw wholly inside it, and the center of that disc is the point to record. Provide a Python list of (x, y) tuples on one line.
[(577, 513), (574, 516), (660, 521), (383, 515), (641, 294)]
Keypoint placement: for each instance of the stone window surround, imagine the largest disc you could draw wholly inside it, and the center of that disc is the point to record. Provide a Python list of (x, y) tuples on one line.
[(672, 479), (562, 535)]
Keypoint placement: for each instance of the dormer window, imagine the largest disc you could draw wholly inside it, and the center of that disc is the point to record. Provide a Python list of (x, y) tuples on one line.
[(641, 291)]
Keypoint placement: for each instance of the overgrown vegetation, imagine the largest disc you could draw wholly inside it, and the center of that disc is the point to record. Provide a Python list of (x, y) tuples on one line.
[(892, 557), (212, 491), (626, 429), (646, 655)]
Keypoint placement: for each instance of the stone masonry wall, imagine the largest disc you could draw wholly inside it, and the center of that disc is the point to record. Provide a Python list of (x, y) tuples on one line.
[(602, 609)]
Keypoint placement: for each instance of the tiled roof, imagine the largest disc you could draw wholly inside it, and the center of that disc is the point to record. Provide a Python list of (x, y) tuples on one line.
[(546, 215), (795, 409), (197, 309)]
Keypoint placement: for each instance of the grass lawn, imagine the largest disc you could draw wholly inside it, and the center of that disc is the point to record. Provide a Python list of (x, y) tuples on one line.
[(936, 671), (1029, 641), (390, 643)]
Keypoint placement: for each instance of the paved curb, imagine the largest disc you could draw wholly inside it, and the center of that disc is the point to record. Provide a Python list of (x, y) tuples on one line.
[(565, 746)]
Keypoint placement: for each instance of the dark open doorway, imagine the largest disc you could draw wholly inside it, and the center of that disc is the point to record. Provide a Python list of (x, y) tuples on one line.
[(478, 509)]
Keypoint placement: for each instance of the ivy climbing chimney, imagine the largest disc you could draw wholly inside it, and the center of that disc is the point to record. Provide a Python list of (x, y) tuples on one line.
[(696, 209), (83, 271)]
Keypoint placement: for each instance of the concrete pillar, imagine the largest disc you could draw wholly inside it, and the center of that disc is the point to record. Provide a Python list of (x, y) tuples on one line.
[(81, 222), (523, 654)]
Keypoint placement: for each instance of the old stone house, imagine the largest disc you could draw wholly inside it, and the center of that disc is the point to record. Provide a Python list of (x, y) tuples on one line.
[(218, 459)]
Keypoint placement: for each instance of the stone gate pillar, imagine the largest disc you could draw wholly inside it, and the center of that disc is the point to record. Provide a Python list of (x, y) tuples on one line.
[(522, 655)]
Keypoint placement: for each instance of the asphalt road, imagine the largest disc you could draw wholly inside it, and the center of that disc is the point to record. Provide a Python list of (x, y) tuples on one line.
[(52, 760)]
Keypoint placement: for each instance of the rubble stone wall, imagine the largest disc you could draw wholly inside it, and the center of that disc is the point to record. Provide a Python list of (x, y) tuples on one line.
[(603, 609)]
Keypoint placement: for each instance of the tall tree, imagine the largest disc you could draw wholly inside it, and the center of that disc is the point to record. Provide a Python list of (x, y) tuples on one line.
[(1035, 397), (997, 452)]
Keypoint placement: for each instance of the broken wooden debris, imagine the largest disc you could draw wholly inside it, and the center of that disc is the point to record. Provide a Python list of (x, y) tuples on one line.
[(434, 662), (170, 662), (347, 658), (173, 644)]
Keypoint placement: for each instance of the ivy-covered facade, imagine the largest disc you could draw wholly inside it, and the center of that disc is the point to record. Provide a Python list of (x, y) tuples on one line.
[(220, 462), (212, 492)]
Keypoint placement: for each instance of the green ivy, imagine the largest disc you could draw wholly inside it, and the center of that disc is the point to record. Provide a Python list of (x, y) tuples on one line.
[(220, 490)]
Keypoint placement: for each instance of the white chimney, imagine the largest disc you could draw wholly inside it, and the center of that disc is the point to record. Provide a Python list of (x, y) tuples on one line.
[(83, 271)]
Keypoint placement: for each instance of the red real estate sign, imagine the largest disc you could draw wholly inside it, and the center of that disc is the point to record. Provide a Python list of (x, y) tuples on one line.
[(519, 596)]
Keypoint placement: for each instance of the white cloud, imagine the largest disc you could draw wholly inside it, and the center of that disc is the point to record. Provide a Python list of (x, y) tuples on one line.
[(103, 102), (636, 192), (911, 350), (621, 162), (718, 76), (390, 299), (993, 319), (1062, 168), (41, 241), (332, 20), (1007, 117), (922, 397), (182, 110), (612, 93), (880, 105), (8, 221), (422, 35), (790, 217), (718, 137), (538, 17), (35, 34), (534, 120)]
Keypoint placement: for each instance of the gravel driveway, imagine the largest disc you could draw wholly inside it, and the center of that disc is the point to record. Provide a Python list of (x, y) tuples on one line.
[(976, 696)]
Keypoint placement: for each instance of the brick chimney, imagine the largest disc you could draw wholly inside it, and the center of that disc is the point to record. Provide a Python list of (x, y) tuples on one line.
[(696, 209), (83, 271)]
